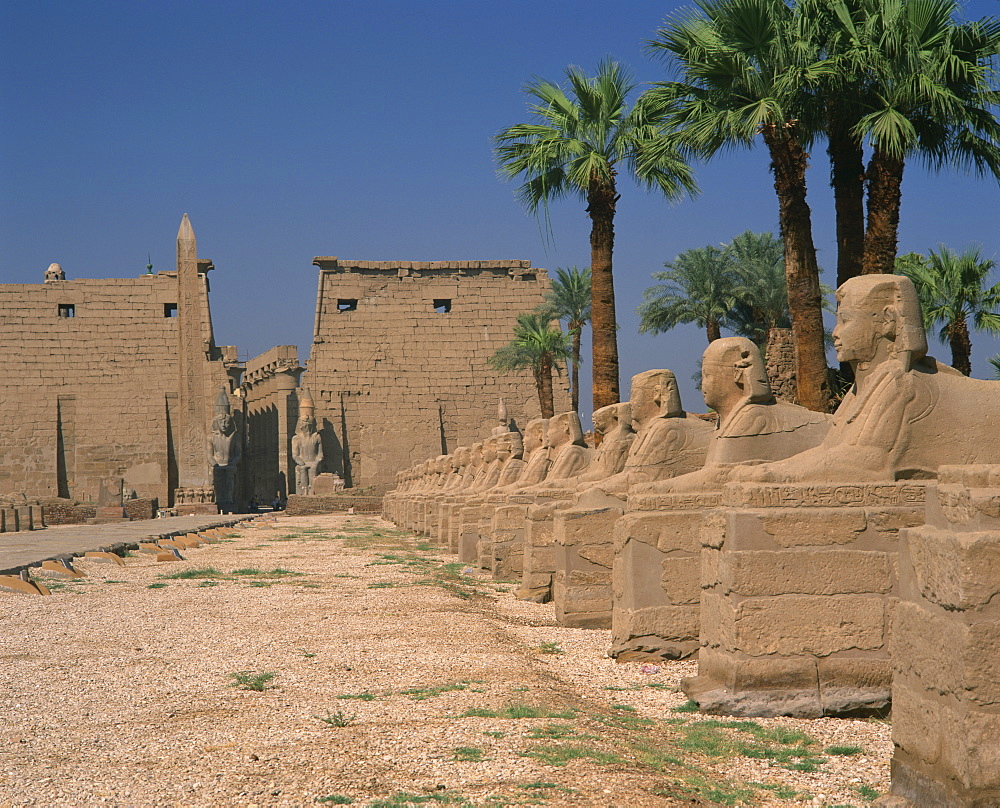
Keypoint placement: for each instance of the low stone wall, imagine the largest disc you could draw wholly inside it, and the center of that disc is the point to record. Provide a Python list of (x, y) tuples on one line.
[(299, 505), (58, 511)]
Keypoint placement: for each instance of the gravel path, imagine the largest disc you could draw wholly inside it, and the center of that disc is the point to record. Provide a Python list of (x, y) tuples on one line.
[(398, 678)]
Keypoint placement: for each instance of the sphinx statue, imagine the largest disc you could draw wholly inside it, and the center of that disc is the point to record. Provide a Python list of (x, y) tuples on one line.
[(834, 513), (510, 450), (614, 424), (906, 413), (656, 615), (668, 441), (753, 426), (537, 457), (569, 455), (224, 452), (307, 446)]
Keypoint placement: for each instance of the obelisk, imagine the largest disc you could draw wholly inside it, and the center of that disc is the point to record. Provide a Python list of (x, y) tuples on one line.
[(192, 436)]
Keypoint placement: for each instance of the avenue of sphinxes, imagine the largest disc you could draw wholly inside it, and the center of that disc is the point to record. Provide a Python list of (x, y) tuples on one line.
[(812, 565), (815, 565)]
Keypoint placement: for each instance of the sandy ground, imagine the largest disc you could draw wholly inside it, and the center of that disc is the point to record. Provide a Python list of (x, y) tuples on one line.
[(120, 690)]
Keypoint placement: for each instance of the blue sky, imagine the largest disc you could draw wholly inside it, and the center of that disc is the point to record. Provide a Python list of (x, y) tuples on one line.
[(360, 130)]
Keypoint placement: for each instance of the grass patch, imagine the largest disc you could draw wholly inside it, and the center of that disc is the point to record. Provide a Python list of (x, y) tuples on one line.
[(194, 574), (552, 731), (779, 790), (366, 696), (471, 754), (867, 792), (158, 585), (690, 706), (550, 647), (495, 734), (519, 711), (843, 750), (260, 584), (382, 585), (723, 793), (337, 719), (253, 572), (561, 755), (252, 680), (336, 799), (421, 693), (307, 654), (402, 798)]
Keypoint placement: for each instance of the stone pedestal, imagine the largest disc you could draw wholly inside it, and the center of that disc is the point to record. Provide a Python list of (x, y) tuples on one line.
[(506, 539), (799, 586), (471, 517), (200, 508), (109, 514), (946, 647), (657, 575), (584, 545), (537, 548)]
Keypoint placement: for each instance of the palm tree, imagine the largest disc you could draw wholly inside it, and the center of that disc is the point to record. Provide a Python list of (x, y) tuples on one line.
[(745, 70), (995, 361), (758, 261), (569, 300), (953, 292), (537, 345), (700, 287), (576, 146), (914, 82)]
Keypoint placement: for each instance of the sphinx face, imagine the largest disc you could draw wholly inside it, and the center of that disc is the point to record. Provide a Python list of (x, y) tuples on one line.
[(856, 335)]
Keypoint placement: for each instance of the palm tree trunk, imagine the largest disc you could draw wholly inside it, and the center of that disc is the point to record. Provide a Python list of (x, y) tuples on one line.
[(713, 330), (574, 381), (788, 162), (847, 177), (601, 201), (885, 178), (545, 387), (961, 346)]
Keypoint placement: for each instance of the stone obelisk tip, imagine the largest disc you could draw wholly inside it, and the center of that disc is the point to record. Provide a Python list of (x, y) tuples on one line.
[(187, 247), (185, 232)]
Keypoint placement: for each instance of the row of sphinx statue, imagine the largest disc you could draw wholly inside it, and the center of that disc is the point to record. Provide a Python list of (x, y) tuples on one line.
[(766, 539)]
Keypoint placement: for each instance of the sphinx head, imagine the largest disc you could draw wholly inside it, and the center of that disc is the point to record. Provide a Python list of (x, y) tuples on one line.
[(732, 369), (655, 394), (509, 445), (534, 434), (562, 429), (878, 317)]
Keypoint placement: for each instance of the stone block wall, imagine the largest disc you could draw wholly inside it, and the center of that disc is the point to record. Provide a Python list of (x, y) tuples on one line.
[(91, 384), (398, 367), (946, 647)]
